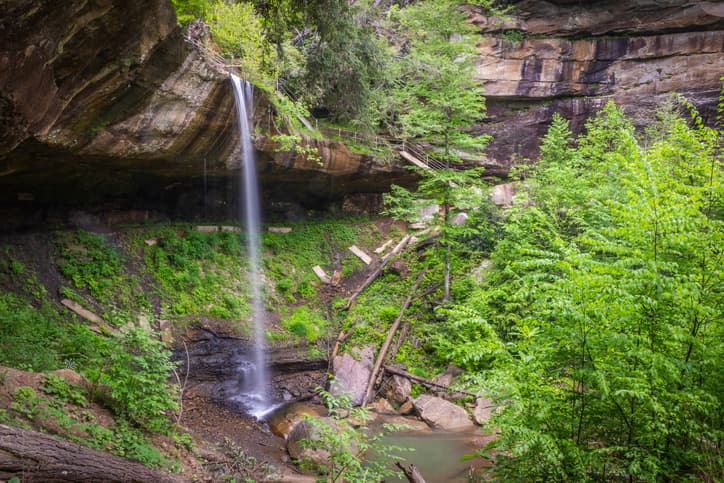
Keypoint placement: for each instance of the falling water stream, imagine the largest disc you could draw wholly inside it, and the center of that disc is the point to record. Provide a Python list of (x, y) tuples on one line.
[(254, 395)]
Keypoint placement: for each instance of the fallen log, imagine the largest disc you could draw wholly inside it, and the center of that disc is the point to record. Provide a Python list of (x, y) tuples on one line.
[(426, 382), (412, 474), (343, 335), (32, 456), (388, 340), (371, 278), (406, 327), (400, 339)]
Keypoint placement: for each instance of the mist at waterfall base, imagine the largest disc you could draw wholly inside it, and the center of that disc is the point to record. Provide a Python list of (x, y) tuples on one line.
[(254, 392)]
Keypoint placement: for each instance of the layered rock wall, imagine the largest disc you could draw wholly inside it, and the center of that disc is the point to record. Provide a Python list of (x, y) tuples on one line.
[(571, 57)]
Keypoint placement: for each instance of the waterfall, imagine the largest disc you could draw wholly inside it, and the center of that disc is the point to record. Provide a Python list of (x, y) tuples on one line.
[(254, 384)]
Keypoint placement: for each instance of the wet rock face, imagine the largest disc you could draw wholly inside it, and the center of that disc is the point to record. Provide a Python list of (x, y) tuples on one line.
[(575, 56), (62, 70), (217, 365)]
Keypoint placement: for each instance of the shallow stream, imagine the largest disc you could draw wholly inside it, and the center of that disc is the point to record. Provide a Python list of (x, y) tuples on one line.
[(438, 454)]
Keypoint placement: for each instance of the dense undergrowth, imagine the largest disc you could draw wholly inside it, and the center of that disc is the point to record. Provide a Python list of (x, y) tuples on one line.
[(598, 327), (133, 279)]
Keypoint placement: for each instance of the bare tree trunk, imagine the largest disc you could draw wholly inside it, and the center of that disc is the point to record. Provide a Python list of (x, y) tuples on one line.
[(400, 339), (388, 341), (425, 382), (36, 457), (412, 474)]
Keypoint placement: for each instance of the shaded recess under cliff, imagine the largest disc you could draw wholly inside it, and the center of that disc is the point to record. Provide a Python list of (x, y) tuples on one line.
[(104, 104)]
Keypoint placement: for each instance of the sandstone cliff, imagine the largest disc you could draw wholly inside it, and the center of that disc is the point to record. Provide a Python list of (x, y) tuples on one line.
[(571, 57), (105, 100)]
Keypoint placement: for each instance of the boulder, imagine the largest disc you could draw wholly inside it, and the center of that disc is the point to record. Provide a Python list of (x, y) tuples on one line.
[(305, 430), (313, 458), (408, 424), (398, 389), (459, 219), (442, 414), (446, 379), (282, 422), (406, 408), (350, 372), (399, 268), (502, 194), (382, 406), (483, 411)]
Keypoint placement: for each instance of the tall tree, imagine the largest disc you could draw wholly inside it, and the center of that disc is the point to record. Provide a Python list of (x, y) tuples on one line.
[(439, 100), (607, 293)]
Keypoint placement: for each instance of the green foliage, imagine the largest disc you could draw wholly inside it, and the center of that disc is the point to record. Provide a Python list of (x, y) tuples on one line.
[(237, 29), (60, 409), (293, 143), (188, 10), (131, 443), (135, 367), (439, 96), (29, 336), (348, 446), (25, 401), (386, 293), (387, 314), (60, 388), (513, 35), (475, 345), (93, 264), (604, 294), (305, 323), (291, 256), (446, 188), (200, 273), (89, 262)]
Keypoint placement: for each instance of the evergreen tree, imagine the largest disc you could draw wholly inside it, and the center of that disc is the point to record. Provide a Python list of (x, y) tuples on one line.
[(439, 100)]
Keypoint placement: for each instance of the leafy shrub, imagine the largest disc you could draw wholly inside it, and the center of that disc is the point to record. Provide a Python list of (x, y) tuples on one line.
[(29, 336), (129, 442), (605, 295), (388, 313), (134, 369), (60, 388), (93, 264), (238, 31), (348, 446), (305, 323)]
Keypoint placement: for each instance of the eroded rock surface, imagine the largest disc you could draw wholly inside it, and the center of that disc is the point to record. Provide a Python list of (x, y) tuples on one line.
[(106, 101), (442, 414), (483, 410), (398, 389), (351, 373), (571, 57)]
